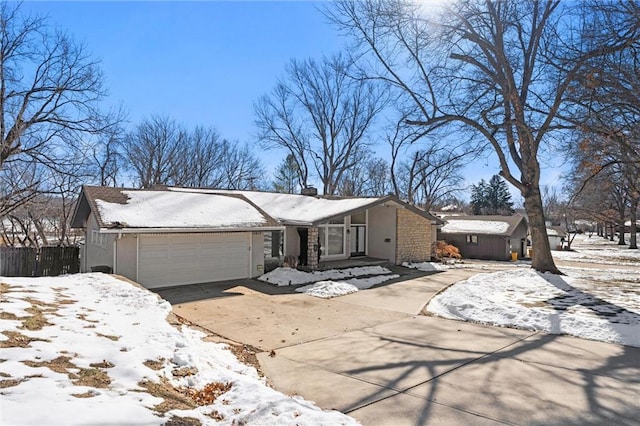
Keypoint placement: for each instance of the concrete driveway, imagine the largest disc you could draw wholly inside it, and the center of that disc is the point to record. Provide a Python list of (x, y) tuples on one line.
[(371, 356)]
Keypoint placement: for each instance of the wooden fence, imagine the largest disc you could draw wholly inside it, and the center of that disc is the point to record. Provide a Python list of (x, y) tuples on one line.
[(45, 262)]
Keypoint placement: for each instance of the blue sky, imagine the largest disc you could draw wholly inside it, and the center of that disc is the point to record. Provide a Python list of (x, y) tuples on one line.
[(203, 63), (198, 62)]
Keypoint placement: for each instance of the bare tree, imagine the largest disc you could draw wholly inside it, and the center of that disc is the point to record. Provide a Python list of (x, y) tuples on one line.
[(155, 149), (606, 98), (368, 177), (430, 175), (499, 70), (200, 161), (106, 156), (241, 169), (50, 92), (321, 116)]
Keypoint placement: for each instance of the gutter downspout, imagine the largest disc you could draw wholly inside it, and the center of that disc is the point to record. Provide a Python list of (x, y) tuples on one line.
[(137, 257), (250, 254), (115, 252)]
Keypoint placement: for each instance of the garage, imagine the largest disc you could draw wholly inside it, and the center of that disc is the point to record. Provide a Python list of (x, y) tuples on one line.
[(178, 259)]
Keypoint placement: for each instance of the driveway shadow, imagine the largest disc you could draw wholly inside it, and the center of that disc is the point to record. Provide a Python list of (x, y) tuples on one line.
[(503, 387), (575, 297), (223, 289), (607, 390)]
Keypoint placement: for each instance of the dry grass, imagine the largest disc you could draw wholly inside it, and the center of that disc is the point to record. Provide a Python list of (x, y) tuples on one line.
[(215, 415), (83, 317), (18, 340), (154, 364), (182, 421), (102, 364), (184, 371), (208, 394), (110, 337), (35, 321), (61, 364), (93, 377), (173, 399), (183, 398), (87, 394), (9, 383), (9, 316)]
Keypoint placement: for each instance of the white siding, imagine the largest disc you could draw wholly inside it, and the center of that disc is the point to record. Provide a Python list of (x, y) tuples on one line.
[(97, 255), (382, 233), (126, 256)]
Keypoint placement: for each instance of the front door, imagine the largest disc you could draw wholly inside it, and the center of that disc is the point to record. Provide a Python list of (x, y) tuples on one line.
[(303, 234), (358, 240)]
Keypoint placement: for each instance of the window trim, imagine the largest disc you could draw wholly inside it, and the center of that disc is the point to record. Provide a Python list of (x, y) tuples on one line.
[(98, 239), (325, 244)]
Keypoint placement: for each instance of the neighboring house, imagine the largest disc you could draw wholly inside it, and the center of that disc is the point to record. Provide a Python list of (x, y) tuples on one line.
[(556, 236), (174, 236), (486, 237)]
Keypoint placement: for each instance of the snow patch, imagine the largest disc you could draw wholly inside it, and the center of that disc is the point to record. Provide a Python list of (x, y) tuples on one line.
[(101, 323)]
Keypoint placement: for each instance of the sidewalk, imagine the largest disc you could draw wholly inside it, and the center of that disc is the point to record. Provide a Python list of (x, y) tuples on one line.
[(425, 370)]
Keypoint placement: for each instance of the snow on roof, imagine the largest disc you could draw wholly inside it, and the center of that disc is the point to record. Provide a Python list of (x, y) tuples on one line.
[(165, 209), (293, 208), (462, 226), (554, 232)]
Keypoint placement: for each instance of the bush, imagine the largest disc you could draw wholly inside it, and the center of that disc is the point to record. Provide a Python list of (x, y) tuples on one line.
[(443, 250)]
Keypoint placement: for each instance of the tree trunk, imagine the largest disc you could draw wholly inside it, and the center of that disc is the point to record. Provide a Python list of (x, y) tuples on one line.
[(633, 242), (621, 241), (542, 260)]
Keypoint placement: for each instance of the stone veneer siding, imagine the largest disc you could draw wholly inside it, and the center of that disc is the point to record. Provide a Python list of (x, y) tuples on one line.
[(312, 249), (413, 237)]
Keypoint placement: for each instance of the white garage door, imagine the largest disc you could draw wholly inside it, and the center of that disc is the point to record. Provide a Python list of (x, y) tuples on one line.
[(175, 259)]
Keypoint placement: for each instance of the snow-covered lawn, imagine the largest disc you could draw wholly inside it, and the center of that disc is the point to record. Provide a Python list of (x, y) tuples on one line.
[(330, 283), (599, 303), (599, 250), (437, 266), (90, 349)]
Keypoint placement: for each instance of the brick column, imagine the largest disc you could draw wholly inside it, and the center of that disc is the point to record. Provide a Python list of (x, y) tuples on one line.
[(413, 237), (312, 249)]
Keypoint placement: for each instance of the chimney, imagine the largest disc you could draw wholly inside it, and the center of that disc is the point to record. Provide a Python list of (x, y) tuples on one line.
[(309, 190)]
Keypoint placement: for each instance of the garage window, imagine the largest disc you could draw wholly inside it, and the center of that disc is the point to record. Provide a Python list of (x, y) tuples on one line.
[(472, 239)]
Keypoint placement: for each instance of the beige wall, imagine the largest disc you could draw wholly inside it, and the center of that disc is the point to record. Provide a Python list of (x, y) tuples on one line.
[(414, 237), (126, 252), (257, 254), (292, 241), (381, 230), (95, 254)]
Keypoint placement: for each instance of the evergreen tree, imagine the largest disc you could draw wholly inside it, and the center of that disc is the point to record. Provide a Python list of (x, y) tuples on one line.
[(287, 176), (491, 198), (479, 197)]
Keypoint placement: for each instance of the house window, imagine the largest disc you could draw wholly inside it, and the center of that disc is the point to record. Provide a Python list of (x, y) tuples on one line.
[(472, 239), (273, 244), (98, 239), (331, 237)]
